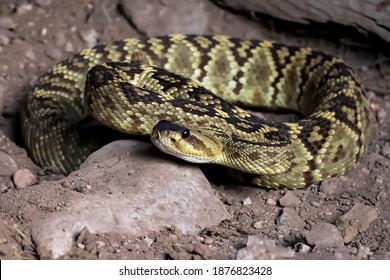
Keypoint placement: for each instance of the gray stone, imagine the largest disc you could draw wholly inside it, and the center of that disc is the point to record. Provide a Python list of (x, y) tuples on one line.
[(289, 200), (23, 9), (302, 248), (4, 40), (4, 183), (355, 221), (289, 219), (89, 36), (7, 165), (102, 14), (30, 54), (324, 235), (385, 150), (69, 47), (60, 39), (364, 252), (381, 196), (335, 185), (135, 189), (53, 53), (247, 201), (367, 16), (7, 23), (263, 249), (315, 203), (382, 115), (148, 241), (258, 224), (169, 16), (270, 201), (9, 247), (24, 178), (43, 3)]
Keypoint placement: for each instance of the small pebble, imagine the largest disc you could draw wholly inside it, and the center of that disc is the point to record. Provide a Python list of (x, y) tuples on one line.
[(60, 39), (148, 241), (289, 200), (258, 225), (43, 3), (10, 184), (324, 235), (354, 250), (44, 31), (382, 114), (381, 196), (30, 54), (65, 184), (3, 239), (270, 201), (172, 236), (322, 195), (24, 178), (314, 203), (208, 241), (3, 187), (100, 244), (385, 150), (365, 170), (83, 235), (53, 53), (4, 40), (327, 212), (302, 248), (89, 36), (364, 68), (81, 189), (263, 249), (345, 195), (378, 179), (363, 252), (247, 201), (81, 246), (69, 47), (6, 23)]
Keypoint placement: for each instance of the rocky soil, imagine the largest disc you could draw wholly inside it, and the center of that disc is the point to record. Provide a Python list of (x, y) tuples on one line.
[(129, 201)]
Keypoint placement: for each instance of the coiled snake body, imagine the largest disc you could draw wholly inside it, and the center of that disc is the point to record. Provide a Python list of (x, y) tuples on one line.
[(134, 97)]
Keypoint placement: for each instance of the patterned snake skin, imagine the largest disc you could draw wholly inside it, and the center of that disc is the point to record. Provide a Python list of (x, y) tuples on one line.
[(132, 98)]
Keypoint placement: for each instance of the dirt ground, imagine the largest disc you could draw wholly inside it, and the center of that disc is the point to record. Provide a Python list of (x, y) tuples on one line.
[(36, 34)]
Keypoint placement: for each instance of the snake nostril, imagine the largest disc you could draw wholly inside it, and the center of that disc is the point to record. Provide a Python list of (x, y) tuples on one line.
[(173, 140)]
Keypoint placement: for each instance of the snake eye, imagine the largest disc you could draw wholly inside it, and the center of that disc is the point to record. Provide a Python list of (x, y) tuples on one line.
[(185, 133), (173, 140)]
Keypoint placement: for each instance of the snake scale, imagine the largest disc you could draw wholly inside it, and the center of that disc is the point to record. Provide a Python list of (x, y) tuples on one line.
[(181, 90)]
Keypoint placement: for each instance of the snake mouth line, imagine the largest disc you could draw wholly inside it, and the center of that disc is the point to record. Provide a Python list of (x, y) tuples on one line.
[(155, 138)]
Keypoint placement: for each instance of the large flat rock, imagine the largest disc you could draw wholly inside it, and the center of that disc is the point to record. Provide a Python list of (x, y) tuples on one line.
[(126, 187)]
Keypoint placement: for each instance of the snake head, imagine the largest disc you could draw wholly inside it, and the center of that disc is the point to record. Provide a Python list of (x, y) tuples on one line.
[(188, 144)]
